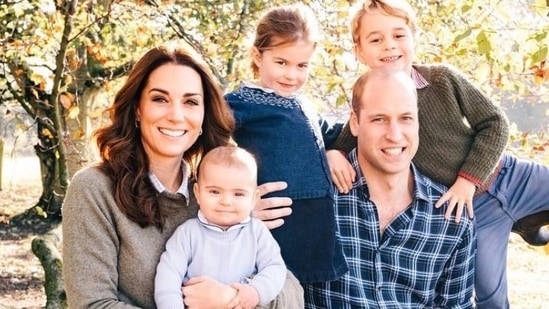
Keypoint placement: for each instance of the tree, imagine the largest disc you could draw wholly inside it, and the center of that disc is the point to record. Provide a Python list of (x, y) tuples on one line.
[(60, 60), (54, 65)]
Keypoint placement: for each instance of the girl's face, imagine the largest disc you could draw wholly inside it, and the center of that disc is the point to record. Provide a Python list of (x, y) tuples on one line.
[(284, 68), (385, 41), (170, 112)]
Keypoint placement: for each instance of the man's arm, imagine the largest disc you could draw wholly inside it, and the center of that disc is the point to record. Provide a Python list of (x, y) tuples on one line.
[(455, 288)]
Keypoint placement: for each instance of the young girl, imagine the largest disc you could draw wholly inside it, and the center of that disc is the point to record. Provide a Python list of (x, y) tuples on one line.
[(467, 156), (282, 129)]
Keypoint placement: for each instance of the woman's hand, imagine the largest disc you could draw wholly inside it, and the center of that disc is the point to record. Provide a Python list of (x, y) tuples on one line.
[(206, 293), (248, 295), (271, 210)]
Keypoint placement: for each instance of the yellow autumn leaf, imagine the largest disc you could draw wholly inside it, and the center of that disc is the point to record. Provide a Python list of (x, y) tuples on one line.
[(78, 134), (538, 80), (65, 101), (47, 133), (73, 112), (482, 72)]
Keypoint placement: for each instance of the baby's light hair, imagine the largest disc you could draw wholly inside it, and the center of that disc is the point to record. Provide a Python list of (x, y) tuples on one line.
[(232, 156), (397, 8)]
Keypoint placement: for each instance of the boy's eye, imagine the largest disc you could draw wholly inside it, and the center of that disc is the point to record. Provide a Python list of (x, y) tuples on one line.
[(304, 66), (280, 62), (239, 194)]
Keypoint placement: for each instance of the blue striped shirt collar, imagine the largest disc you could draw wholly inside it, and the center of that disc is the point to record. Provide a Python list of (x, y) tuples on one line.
[(420, 182), (183, 188)]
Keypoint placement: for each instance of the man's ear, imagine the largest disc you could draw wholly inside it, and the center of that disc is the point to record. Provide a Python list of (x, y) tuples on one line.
[(353, 123), (256, 56)]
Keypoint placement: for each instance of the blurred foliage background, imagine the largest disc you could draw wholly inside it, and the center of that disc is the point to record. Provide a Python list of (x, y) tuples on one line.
[(62, 61)]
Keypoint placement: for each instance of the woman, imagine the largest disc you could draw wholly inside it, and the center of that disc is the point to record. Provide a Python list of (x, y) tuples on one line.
[(118, 214)]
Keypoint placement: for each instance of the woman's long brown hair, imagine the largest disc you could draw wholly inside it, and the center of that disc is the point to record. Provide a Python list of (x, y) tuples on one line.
[(123, 157)]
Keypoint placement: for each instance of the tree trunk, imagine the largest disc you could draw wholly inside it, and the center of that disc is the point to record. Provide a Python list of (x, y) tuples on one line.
[(45, 249), (1, 162)]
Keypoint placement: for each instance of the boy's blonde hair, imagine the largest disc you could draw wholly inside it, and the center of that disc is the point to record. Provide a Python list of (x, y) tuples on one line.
[(230, 156), (284, 25), (397, 8)]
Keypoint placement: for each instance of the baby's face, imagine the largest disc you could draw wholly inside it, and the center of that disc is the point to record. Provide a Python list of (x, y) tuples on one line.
[(226, 194)]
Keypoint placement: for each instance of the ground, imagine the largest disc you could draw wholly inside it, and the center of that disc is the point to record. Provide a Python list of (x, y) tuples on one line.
[(21, 275)]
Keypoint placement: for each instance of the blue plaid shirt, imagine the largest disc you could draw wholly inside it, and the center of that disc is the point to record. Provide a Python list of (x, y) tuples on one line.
[(422, 260)]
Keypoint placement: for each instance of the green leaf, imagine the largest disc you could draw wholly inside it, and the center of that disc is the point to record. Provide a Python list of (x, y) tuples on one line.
[(463, 35), (483, 43)]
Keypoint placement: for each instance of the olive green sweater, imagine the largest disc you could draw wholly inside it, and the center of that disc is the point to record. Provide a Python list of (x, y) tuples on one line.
[(109, 261), (461, 131)]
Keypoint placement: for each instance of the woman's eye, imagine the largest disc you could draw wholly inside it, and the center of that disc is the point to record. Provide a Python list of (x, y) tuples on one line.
[(159, 99)]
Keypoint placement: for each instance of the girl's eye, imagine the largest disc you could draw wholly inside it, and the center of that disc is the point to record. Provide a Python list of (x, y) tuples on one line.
[(304, 66), (280, 62)]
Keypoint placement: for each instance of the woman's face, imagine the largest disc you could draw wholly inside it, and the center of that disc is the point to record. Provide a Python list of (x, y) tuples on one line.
[(170, 112)]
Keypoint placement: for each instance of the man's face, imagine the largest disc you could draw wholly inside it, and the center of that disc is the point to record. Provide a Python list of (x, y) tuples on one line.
[(386, 125)]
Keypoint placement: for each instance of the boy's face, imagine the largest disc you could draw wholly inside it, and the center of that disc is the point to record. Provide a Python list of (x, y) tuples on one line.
[(226, 194), (385, 41)]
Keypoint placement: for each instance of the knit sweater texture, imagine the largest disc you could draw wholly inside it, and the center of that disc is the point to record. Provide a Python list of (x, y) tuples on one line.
[(244, 253), (461, 131), (110, 261), (288, 138)]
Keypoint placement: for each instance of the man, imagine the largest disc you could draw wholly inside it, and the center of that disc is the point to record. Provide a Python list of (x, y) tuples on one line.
[(402, 252)]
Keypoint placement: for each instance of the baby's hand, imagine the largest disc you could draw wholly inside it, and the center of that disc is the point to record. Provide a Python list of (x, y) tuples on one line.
[(248, 295), (341, 170), (460, 194)]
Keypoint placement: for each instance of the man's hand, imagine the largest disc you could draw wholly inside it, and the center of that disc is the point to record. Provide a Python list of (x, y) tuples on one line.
[(459, 196), (271, 210)]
